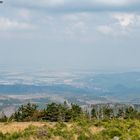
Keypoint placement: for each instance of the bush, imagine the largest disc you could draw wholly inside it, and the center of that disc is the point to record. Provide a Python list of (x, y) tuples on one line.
[(2, 136), (83, 137)]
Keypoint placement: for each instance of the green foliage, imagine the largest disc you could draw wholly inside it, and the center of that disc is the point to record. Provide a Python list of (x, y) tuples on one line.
[(123, 129), (27, 112), (93, 113), (116, 128), (124, 125), (83, 137), (55, 112), (3, 117), (130, 113), (107, 113), (121, 113), (2, 136), (61, 112), (75, 111), (112, 132)]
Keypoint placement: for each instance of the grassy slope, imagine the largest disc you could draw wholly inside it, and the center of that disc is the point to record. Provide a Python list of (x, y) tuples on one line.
[(80, 130)]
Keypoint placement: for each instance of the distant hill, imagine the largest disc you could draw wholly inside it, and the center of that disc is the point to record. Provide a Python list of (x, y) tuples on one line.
[(110, 86)]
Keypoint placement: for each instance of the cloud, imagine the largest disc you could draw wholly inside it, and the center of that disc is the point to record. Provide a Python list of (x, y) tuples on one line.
[(8, 24), (79, 5), (125, 20), (120, 24), (36, 4), (115, 2), (76, 24), (54, 2), (105, 29)]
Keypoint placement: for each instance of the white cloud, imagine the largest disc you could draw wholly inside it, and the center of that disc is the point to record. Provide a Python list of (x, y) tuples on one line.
[(76, 23), (125, 20), (105, 29), (7, 24), (112, 2), (54, 2), (51, 3), (77, 16), (124, 24), (117, 3)]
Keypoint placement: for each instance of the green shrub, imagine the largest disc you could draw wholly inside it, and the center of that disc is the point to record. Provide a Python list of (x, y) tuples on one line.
[(83, 137), (2, 136)]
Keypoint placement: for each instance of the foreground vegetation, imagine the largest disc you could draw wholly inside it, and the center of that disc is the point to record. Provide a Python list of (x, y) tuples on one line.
[(78, 130), (63, 122)]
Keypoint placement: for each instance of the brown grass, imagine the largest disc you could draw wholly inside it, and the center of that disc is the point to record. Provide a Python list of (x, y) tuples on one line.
[(95, 130), (18, 126)]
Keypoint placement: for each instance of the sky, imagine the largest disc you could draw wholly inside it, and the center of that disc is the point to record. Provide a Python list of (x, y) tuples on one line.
[(70, 34)]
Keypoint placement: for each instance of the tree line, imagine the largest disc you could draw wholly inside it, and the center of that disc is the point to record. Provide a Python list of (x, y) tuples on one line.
[(55, 112), (106, 112)]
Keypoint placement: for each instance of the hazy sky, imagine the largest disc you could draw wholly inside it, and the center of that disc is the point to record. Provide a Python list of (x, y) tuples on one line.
[(75, 34)]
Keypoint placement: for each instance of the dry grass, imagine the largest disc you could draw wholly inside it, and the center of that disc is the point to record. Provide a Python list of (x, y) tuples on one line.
[(21, 126), (18, 126), (95, 130)]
